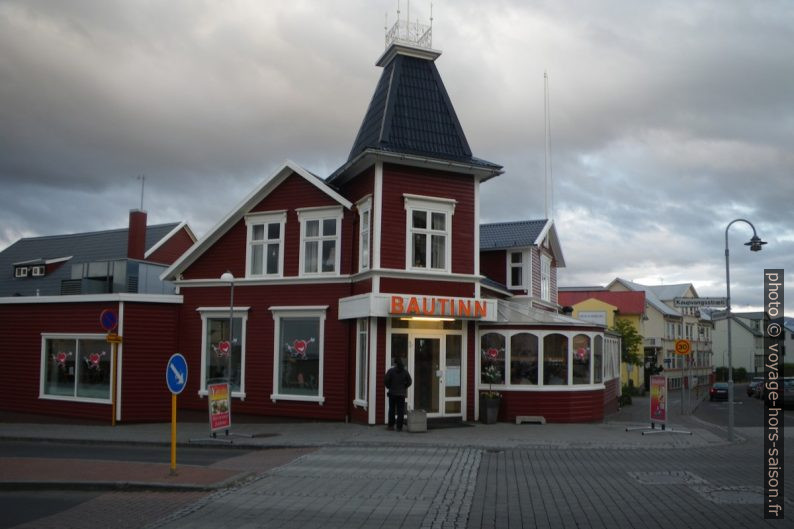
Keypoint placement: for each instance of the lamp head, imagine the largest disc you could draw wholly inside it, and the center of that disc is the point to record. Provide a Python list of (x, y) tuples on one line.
[(755, 244), (227, 276)]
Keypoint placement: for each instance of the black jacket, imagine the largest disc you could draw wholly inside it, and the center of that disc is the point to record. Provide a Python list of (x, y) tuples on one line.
[(398, 381)]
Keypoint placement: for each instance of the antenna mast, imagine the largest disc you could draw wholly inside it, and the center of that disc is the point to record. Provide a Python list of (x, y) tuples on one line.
[(142, 178), (547, 163)]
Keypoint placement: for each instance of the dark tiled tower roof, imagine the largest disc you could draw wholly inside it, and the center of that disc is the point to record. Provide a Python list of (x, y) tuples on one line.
[(411, 113)]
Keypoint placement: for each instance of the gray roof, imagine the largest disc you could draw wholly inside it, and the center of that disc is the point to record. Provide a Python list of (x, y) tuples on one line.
[(81, 247), (502, 235), (411, 113), (650, 297), (669, 292)]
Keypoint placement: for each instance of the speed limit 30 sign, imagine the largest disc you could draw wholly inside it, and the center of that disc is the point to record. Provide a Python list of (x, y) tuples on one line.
[(683, 347)]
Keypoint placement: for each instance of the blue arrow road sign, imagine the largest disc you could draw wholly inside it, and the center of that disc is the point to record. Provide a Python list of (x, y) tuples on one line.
[(176, 374)]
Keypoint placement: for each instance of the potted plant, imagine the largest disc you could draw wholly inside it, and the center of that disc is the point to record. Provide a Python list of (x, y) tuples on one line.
[(490, 400)]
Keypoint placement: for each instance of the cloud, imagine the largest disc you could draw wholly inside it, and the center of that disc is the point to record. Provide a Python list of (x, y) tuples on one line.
[(668, 120)]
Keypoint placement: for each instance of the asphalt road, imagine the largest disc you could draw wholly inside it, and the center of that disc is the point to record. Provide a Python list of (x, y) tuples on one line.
[(112, 452), (747, 411)]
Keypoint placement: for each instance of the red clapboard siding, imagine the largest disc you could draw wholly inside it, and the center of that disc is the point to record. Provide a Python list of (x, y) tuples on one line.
[(228, 253), (172, 249), (555, 406), (150, 338), (259, 346), (21, 326), (426, 287), (493, 265), (611, 396), (354, 190), (398, 180), (361, 287)]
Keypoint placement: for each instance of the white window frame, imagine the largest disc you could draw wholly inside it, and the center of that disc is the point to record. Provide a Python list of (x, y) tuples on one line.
[(21, 271), (256, 219), (526, 269), (43, 366), (362, 354), (320, 214), (38, 270), (364, 230), (317, 311), (545, 277), (430, 205), (222, 313)]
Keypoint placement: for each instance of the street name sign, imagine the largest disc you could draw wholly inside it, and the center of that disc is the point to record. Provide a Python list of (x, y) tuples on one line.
[(700, 302)]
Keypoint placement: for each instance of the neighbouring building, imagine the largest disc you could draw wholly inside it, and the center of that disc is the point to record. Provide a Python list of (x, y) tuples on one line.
[(667, 323), (597, 305), (747, 341), (52, 292)]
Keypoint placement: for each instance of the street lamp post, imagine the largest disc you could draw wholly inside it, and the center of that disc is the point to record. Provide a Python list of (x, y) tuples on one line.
[(755, 245), (227, 276)]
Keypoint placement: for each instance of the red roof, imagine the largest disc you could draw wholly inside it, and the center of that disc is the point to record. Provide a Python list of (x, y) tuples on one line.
[(626, 302)]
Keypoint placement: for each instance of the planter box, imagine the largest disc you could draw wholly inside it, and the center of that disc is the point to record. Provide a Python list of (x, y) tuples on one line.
[(489, 410)]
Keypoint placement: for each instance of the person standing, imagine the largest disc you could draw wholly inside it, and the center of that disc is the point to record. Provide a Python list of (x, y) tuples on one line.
[(397, 381)]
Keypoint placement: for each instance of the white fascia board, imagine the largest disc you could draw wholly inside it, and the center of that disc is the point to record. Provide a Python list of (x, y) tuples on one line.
[(170, 234), (252, 199), (93, 298)]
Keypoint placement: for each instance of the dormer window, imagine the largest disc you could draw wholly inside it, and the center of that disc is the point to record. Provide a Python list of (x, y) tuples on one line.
[(545, 278), (320, 229), (21, 271), (265, 249), (37, 271), (517, 270), (429, 232)]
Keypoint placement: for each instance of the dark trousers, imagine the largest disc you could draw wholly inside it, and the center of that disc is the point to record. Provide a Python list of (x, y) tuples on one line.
[(396, 406)]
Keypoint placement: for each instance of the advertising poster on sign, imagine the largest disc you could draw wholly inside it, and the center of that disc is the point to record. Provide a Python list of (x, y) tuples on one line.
[(220, 409), (658, 399)]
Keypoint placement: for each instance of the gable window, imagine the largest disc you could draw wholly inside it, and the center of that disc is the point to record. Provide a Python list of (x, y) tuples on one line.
[(21, 271), (320, 228), (75, 368), (429, 232), (298, 353), (365, 209), (361, 361), (517, 270), (265, 249), (219, 364), (545, 278)]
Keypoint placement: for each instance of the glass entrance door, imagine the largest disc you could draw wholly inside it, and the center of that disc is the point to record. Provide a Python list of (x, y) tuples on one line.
[(427, 374)]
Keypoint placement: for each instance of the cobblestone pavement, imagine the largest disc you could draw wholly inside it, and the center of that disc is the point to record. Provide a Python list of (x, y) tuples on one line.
[(700, 487), (347, 488), (512, 488)]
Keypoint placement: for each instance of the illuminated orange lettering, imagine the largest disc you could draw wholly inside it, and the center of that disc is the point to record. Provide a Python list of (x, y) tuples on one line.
[(443, 303), (480, 309), (413, 306), (464, 307), (397, 305), (432, 309)]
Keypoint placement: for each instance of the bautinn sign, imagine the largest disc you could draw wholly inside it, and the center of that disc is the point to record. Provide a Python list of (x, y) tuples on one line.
[(438, 307)]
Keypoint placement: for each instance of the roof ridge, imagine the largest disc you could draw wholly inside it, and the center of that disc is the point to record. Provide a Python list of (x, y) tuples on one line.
[(97, 232), (511, 222)]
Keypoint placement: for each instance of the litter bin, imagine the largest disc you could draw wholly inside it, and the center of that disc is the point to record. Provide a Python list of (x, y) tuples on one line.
[(417, 421)]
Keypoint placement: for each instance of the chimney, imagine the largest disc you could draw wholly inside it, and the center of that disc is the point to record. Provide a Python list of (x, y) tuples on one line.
[(136, 236)]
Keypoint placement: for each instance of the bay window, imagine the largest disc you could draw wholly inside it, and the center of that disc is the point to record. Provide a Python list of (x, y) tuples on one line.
[(555, 360), (429, 232), (365, 214), (492, 364), (581, 359), (265, 246), (298, 353), (76, 368), (320, 236)]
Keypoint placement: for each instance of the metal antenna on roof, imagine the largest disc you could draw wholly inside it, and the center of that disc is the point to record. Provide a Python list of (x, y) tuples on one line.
[(142, 178), (431, 23), (548, 172)]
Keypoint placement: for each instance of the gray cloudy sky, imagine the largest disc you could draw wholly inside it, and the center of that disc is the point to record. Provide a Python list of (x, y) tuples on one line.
[(669, 119)]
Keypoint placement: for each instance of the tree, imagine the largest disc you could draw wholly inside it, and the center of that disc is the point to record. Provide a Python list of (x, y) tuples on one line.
[(630, 342)]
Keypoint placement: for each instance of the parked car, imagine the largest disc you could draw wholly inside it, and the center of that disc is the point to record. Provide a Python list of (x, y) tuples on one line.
[(754, 385), (788, 392), (719, 391)]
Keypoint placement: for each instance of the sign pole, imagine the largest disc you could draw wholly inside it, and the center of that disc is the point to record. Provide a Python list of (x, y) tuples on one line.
[(173, 434), (115, 349)]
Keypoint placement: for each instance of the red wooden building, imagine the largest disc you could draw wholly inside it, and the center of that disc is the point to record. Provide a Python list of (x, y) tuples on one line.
[(60, 362), (334, 278)]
